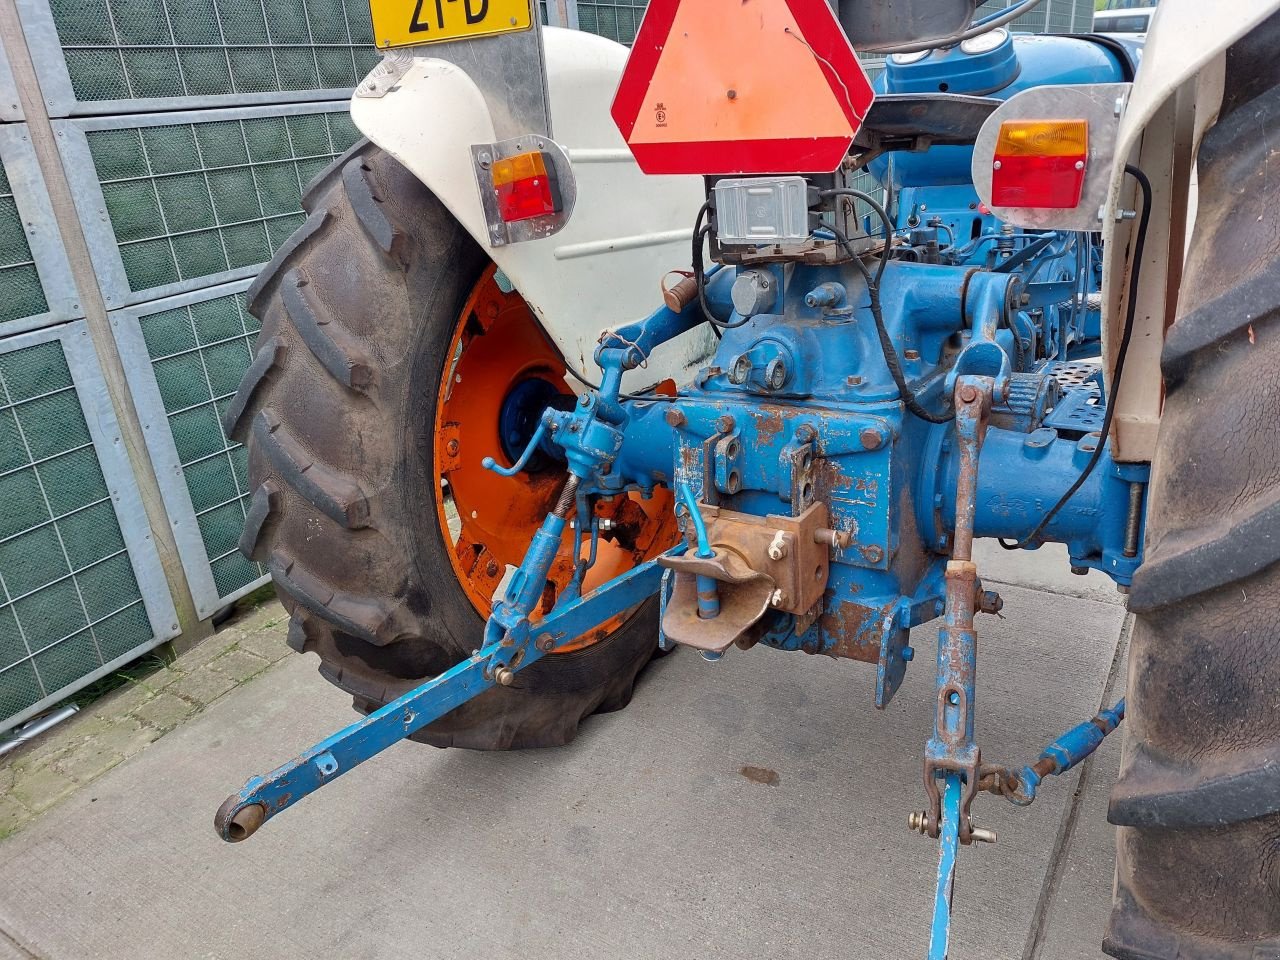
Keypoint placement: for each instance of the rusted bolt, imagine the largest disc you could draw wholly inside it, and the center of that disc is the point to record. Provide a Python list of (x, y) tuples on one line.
[(871, 438), (505, 676), (990, 602), (852, 381), (967, 393), (873, 553), (910, 354), (491, 568), (546, 643), (675, 418), (725, 424), (841, 539), (452, 448), (732, 94)]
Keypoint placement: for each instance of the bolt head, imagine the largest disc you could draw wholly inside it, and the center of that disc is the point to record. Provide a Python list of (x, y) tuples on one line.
[(871, 438), (725, 424), (675, 418), (908, 654), (452, 448)]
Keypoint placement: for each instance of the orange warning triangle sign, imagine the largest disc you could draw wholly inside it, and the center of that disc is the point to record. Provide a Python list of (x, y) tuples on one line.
[(741, 87)]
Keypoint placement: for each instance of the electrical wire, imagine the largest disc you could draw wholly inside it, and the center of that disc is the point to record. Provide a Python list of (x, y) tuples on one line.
[(890, 352), (1131, 307), (875, 205)]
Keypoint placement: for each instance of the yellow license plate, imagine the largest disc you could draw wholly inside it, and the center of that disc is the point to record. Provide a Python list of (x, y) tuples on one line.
[(408, 23)]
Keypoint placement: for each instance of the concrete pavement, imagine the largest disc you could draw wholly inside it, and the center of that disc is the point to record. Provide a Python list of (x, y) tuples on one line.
[(643, 839)]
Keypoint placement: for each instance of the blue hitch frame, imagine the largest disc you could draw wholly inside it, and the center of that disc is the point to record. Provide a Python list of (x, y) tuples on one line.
[(242, 813)]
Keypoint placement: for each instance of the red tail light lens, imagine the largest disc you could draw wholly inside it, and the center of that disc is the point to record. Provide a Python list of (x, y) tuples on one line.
[(526, 187), (1040, 163)]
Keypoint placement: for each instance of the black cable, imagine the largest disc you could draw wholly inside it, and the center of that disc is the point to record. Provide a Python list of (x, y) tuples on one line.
[(1130, 311), (909, 399), (884, 219)]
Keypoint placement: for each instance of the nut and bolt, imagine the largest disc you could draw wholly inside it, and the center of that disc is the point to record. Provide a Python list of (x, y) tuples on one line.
[(990, 602), (504, 676), (725, 424), (775, 375), (546, 643), (491, 568), (873, 554), (452, 448), (607, 524), (675, 418), (740, 370), (918, 822), (871, 438), (967, 393)]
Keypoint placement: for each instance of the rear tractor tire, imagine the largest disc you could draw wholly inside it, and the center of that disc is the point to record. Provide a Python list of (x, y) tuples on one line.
[(1198, 800), (389, 355)]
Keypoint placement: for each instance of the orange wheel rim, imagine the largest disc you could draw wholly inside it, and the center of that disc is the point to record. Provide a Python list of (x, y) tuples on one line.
[(489, 520)]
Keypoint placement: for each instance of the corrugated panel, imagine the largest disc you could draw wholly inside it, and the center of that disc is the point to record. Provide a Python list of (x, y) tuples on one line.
[(122, 56), (36, 288), (81, 589), (184, 358), (174, 202)]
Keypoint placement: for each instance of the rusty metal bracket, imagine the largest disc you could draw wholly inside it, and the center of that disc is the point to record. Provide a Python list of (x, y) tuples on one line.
[(762, 563)]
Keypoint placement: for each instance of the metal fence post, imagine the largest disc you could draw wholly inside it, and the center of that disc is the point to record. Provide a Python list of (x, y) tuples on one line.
[(562, 13)]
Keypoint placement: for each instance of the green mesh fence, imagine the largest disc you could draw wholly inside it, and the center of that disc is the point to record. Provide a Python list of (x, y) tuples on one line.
[(193, 200), (198, 354), (140, 49), (616, 19), (21, 294), (69, 601)]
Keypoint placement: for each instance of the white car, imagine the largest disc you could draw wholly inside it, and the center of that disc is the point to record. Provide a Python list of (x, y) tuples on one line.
[(1129, 23)]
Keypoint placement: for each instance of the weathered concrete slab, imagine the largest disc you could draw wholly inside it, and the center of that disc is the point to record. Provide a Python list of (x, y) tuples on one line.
[(642, 839)]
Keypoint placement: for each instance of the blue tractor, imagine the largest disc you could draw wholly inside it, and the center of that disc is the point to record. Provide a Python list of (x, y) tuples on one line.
[(893, 321)]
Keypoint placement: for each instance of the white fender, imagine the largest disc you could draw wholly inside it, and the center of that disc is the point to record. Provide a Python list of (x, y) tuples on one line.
[(1176, 96), (627, 230)]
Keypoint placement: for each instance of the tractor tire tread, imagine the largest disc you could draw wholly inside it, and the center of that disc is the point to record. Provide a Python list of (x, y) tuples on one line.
[(337, 496), (1197, 803), (270, 357), (336, 349)]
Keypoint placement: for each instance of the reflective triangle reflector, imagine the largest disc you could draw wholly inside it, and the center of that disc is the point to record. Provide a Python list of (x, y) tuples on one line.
[(741, 87)]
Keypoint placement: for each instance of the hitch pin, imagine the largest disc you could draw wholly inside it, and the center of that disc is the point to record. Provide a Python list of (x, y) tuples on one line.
[(708, 591)]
